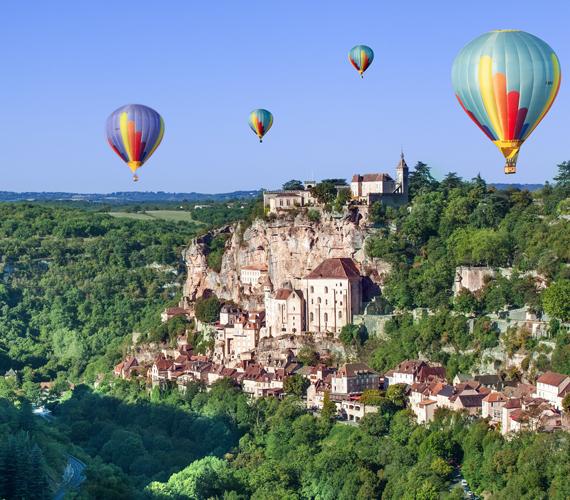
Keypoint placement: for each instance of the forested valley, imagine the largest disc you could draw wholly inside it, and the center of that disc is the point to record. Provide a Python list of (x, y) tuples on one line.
[(77, 282)]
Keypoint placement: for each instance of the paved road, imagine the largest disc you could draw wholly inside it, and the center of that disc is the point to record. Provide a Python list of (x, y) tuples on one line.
[(457, 478), (73, 476)]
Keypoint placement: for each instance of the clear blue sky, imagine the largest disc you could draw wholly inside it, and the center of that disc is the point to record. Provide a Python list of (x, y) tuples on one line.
[(204, 65)]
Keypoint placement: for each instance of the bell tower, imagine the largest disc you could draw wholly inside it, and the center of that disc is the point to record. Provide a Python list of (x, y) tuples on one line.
[(402, 177)]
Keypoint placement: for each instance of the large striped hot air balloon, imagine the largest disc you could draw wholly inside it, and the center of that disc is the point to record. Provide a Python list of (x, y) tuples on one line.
[(260, 121), (506, 81), (134, 132), (361, 58)]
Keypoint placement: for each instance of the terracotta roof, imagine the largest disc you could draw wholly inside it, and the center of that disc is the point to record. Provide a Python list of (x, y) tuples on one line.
[(427, 371), (353, 369), (517, 415), (494, 397), (409, 366), (552, 378), (163, 364), (513, 403), (427, 402), (283, 293), (339, 268), (371, 178)]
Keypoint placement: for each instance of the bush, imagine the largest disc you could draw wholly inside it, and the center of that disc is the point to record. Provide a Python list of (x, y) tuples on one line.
[(207, 310), (313, 215)]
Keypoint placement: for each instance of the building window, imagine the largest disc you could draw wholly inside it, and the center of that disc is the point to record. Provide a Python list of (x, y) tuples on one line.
[(339, 314), (311, 316), (326, 289), (312, 289), (319, 300), (280, 203), (326, 317)]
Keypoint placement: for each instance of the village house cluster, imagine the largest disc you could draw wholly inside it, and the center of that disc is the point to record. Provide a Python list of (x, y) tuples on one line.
[(515, 406), (510, 406)]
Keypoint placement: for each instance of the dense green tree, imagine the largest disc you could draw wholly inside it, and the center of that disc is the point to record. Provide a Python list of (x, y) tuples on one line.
[(556, 300), (354, 335), (207, 309), (420, 179), (293, 185), (296, 384)]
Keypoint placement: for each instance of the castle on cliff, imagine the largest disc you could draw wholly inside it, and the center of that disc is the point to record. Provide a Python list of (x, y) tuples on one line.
[(365, 189)]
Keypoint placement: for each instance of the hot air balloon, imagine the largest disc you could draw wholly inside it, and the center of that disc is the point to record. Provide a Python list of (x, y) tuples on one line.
[(134, 132), (260, 121), (361, 58), (506, 81)]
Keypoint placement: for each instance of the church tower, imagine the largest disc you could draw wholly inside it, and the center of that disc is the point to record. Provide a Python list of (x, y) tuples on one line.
[(402, 177)]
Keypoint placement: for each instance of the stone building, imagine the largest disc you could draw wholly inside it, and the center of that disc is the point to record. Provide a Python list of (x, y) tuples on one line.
[(369, 188), (354, 378), (250, 275), (329, 297), (237, 332), (333, 294), (276, 201)]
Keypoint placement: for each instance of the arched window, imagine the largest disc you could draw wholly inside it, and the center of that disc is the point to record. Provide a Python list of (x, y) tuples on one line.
[(319, 300), (311, 317), (312, 289), (339, 314), (326, 289), (326, 317)]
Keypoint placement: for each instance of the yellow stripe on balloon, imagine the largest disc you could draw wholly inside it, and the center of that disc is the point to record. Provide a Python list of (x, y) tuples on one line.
[(486, 87), (555, 87), (125, 134)]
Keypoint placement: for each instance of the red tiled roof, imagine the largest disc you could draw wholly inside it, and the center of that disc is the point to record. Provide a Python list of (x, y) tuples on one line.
[(371, 178), (163, 364), (494, 397), (513, 403), (283, 293), (338, 268), (353, 369), (552, 378), (408, 366)]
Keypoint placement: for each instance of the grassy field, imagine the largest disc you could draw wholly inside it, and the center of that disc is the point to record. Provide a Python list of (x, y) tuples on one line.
[(173, 215)]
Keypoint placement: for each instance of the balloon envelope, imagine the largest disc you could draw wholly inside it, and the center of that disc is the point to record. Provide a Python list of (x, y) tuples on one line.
[(506, 81), (361, 57), (260, 121), (134, 132)]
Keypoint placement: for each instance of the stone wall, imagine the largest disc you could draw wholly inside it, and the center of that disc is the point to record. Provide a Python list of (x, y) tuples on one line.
[(289, 248)]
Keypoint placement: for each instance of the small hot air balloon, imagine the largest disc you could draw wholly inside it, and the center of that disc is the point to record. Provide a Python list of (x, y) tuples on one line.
[(361, 58), (134, 132), (260, 121), (506, 81)]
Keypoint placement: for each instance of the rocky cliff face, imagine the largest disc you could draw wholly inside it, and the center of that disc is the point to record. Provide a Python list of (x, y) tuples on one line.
[(289, 248)]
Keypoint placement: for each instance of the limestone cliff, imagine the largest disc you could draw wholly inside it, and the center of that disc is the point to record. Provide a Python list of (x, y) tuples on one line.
[(289, 247)]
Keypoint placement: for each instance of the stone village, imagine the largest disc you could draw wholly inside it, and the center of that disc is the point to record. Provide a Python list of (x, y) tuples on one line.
[(290, 285)]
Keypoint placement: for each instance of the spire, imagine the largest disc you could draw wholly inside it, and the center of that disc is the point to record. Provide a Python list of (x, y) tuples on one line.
[(402, 163)]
